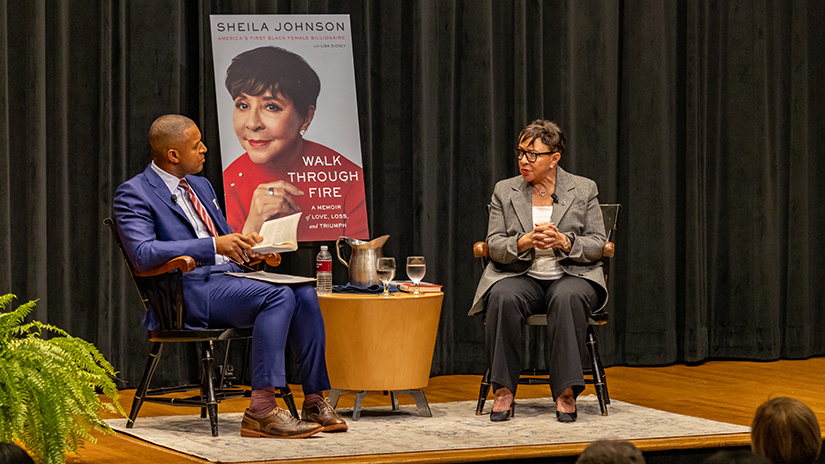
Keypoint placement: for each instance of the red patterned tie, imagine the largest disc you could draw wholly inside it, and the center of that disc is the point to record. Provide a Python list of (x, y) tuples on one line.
[(199, 208)]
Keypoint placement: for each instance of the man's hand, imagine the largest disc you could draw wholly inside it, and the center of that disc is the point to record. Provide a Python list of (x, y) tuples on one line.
[(238, 247)]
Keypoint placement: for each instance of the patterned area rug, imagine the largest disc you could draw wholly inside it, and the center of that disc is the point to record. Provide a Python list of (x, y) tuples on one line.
[(453, 426)]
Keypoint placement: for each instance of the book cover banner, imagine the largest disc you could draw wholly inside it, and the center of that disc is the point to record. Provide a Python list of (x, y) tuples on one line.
[(288, 123)]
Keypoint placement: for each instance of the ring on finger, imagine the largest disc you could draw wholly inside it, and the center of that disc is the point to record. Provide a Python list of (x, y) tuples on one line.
[(271, 191)]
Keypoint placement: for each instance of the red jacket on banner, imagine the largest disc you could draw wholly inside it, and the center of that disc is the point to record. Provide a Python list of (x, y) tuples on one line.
[(332, 203)]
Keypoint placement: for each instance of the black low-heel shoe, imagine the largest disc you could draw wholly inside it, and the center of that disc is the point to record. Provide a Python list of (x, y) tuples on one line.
[(501, 416), (566, 416)]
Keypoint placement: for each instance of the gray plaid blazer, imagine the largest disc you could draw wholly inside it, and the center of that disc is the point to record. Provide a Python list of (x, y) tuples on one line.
[(577, 214)]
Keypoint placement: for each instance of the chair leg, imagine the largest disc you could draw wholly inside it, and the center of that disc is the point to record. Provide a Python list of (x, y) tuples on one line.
[(599, 381), (483, 391), (222, 383), (208, 386), (143, 386), (286, 395)]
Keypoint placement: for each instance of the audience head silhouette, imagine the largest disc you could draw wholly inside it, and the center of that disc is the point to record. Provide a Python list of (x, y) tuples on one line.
[(11, 453), (611, 452), (786, 431), (736, 457)]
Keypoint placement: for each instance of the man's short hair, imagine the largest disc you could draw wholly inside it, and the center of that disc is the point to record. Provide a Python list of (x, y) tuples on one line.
[(167, 131)]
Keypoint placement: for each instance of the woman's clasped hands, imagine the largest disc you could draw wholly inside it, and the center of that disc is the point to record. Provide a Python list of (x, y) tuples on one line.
[(545, 236)]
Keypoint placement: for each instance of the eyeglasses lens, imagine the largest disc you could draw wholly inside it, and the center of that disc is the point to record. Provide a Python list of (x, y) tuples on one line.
[(531, 157)]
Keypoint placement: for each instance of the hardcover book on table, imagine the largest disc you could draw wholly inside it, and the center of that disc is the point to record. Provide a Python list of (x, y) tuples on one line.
[(423, 287)]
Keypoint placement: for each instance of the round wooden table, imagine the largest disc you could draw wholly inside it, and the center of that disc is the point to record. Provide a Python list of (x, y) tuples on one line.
[(380, 343)]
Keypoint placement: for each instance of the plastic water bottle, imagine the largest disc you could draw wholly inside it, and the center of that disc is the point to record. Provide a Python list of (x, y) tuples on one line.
[(323, 272)]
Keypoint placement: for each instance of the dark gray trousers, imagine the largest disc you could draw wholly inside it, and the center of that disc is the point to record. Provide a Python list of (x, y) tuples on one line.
[(567, 302)]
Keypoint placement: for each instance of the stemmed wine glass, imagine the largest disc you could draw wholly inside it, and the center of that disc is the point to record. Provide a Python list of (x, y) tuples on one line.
[(416, 268), (386, 272)]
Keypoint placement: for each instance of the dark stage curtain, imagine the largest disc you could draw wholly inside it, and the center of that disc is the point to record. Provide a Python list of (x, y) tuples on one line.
[(705, 120)]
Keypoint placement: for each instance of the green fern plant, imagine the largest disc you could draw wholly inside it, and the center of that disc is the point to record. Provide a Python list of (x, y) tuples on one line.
[(48, 387)]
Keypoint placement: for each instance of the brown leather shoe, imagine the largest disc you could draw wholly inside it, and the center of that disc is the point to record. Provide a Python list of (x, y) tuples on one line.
[(279, 423), (323, 413)]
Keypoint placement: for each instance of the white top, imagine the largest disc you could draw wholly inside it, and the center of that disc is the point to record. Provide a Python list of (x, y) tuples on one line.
[(545, 266)]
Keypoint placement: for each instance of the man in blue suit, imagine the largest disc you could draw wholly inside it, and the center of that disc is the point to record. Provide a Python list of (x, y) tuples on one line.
[(167, 211)]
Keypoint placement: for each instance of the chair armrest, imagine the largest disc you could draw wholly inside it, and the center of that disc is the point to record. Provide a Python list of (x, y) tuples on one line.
[(609, 248), (184, 263), (481, 250), (187, 263)]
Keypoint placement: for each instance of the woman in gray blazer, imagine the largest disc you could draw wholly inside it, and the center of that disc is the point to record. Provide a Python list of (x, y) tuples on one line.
[(546, 237)]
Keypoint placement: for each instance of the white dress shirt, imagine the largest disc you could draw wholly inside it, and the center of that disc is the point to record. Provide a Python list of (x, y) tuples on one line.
[(183, 200)]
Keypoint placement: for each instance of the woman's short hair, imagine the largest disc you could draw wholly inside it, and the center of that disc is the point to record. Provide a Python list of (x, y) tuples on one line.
[(547, 131), (255, 71), (786, 431)]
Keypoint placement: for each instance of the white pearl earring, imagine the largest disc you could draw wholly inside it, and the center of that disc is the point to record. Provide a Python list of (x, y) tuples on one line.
[(303, 132)]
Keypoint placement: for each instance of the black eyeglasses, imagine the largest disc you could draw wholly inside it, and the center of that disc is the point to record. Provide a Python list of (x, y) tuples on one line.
[(531, 155)]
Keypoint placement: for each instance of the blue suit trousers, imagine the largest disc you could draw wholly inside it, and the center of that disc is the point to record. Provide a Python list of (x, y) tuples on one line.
[(278, 314)]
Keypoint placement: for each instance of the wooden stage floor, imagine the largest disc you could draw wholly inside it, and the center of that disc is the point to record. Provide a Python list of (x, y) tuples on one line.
[(728, 391)]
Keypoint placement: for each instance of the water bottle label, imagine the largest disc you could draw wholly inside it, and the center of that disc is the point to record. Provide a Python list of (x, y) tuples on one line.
[(323, 266)]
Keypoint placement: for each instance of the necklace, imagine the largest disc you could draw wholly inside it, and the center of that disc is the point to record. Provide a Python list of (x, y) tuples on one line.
[(541, 192)]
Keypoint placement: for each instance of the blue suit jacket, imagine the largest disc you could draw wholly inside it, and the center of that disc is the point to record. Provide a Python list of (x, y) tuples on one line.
[(154, 230)]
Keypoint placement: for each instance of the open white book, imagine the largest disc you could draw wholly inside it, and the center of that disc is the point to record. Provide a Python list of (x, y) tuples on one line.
[(272, 277), (280, 235)]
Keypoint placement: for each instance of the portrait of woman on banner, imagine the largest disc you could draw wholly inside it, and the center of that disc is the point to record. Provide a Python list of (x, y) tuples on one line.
[(275, 94)]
